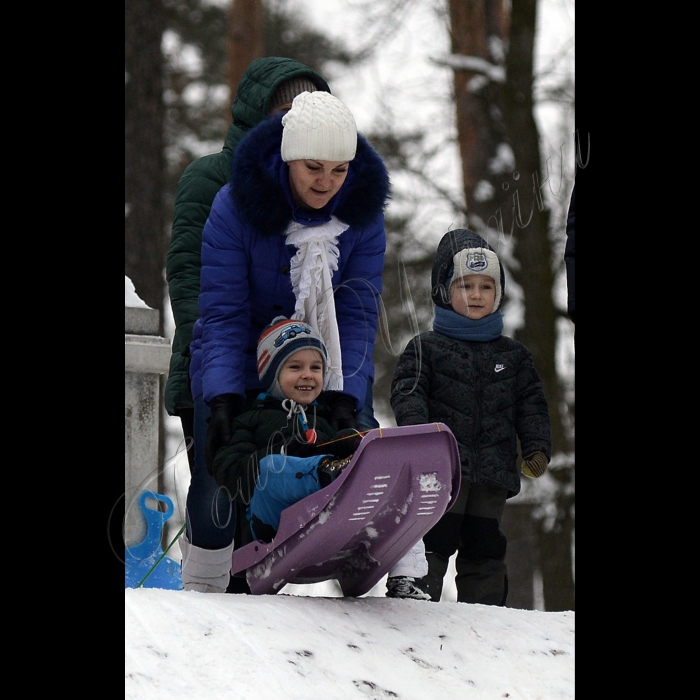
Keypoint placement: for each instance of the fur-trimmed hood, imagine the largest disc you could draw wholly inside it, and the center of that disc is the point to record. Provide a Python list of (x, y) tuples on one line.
[(261, 193)]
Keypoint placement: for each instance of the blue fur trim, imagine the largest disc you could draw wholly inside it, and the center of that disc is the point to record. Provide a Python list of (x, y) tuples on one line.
[(260, 189)]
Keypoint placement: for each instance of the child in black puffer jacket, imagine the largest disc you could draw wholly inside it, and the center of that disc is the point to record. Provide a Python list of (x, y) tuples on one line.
[(485, 387)]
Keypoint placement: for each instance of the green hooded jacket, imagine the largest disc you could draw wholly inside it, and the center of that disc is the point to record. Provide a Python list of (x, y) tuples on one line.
[(196, 190)]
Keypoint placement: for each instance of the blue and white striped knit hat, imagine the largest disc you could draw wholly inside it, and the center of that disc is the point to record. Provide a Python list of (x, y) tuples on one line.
[(281, 339)]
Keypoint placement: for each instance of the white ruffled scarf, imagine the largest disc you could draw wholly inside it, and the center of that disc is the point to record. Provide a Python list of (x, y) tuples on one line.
[(311, 270)]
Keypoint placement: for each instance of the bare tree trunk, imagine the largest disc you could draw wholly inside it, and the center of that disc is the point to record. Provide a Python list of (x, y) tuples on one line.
[(246, 40), (144, 167), (479, 31), (493, 62), (530, 222)]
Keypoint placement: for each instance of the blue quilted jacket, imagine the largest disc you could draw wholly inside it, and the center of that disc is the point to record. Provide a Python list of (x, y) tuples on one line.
[(245, 279)]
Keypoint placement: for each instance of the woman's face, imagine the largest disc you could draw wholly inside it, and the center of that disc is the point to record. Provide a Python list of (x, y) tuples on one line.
[(314, 182)]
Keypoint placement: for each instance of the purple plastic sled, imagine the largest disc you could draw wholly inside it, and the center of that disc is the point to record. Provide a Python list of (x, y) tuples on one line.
[(397, 486)]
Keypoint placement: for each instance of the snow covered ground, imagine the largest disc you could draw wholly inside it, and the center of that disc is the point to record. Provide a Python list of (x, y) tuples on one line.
[(184, 645)]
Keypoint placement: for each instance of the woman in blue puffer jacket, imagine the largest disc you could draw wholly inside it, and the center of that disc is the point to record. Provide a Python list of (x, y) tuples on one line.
[(299, 232)]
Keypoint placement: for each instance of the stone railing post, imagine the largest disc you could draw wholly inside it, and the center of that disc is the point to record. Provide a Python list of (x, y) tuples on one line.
[(146, 357)]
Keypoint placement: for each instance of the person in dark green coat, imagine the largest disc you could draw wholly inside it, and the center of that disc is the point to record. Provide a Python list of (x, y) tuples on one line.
[(268, 86)]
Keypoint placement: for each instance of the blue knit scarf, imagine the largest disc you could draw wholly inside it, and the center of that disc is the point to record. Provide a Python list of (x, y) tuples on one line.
[(453, 325)]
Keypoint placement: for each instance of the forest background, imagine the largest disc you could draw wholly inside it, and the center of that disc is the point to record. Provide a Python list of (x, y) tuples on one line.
[(471, 104)]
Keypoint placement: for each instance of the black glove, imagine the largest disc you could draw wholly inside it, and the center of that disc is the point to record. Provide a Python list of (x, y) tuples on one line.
[(535, 465), (342, 410), (300, 449), (295, 448), (346, 443), (224, 408)]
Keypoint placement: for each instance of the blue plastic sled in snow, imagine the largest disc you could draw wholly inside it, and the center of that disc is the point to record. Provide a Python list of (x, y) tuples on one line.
[(398, 485), (141, 558)]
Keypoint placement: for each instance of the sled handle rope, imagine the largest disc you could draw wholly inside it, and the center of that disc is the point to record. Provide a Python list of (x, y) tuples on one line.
[(361, 433)]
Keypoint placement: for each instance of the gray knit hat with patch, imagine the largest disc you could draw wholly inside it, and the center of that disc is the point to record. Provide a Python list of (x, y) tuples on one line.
[(286, 91), (463, 252), (477, 261)]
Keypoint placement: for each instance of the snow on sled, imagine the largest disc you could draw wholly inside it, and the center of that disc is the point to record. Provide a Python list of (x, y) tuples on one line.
[(146, 558), (397, 486)]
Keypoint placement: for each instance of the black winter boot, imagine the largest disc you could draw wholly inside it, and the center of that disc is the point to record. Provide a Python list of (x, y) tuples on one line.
[(482, 575)]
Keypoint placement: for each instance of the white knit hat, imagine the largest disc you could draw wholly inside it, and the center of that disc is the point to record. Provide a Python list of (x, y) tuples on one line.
[(320, 127)]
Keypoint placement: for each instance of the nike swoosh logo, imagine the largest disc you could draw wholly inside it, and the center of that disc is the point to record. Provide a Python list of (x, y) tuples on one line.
[(498, 369)]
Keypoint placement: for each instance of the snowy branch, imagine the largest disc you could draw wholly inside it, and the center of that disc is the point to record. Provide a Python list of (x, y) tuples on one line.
[(474, 64)]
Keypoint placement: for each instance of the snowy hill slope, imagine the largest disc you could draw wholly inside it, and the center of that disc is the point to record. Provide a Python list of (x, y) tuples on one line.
[(185, 645)]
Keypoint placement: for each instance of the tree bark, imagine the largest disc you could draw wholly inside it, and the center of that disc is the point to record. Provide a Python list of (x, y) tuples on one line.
[(246, 39), (479, 31), (144, 168), (530, 223)]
